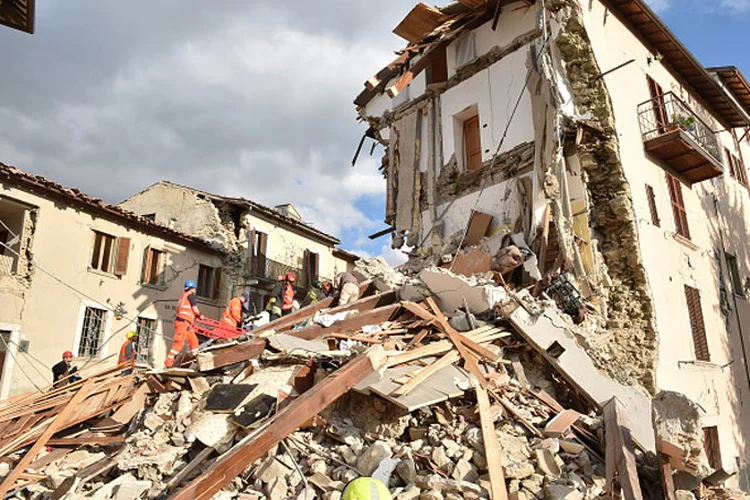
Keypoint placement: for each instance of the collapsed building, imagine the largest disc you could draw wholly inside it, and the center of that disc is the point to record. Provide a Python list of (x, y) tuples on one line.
[(570, 130), (262, 242)]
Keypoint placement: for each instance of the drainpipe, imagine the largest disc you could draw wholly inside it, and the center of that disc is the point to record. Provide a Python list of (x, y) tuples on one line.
[(734, 296)]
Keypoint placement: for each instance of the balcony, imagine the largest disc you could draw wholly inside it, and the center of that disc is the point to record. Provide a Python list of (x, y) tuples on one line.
[(268, 270), (673, 133)]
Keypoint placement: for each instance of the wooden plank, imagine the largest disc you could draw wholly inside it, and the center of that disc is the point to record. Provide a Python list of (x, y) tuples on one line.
[(560, 424), (447, 360), (619, 454), (219, 358), (135, 404), (289, 419), (52, 428), (520, 373), (374, 317), (491, 446), (479, 225), (87, 441), (47, 459), (666, 477), (419, 22)]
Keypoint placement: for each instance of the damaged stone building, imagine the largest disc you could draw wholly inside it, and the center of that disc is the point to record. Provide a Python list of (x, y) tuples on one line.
[(586, 133), (262, 242), (77, 274)]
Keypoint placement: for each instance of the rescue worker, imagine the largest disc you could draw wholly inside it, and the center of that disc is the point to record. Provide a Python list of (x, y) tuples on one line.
[(281, 302), (62, 370), (128, 352), (366, 488), (187, 311), (348, 287), (314, 294), (233, 313)]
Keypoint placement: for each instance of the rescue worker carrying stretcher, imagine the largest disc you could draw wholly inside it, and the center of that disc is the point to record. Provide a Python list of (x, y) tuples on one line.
[(233, 313), (127, 352), (187, 311)]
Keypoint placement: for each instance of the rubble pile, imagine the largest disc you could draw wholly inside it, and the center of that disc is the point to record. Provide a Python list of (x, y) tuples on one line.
[(441, 390)]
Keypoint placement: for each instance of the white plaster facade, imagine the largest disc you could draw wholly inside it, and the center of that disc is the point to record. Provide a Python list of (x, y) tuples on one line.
[(44, 310)]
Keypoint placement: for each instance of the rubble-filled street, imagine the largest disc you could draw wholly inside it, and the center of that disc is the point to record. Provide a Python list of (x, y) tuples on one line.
[(442, 387)]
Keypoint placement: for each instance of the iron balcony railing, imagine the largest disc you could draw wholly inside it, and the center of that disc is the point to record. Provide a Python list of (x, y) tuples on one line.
[(666, 113), (269, 269)]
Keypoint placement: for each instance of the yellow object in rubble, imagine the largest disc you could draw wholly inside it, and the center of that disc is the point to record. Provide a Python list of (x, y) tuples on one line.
[(366, 488)]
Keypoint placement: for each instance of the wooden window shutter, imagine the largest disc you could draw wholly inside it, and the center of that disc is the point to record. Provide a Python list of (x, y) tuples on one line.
[(306, 266), (472, 144), (437, 71), (697, 326), (251, 243), (146, 264), (217, 283), (678, 206), (711, 447), (652, 206), (263, 243), (123, 252), (315, 265), (730, 163)]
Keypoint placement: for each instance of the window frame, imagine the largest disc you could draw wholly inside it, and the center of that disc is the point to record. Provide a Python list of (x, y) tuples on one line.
[(208, 282), (150, 270), (99, 252), (679, 212), (734, 275), (149, 339), (84, 348), (651, 198), (712, 446)]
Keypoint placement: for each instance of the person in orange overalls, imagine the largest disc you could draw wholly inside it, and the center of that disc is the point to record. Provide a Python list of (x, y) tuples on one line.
[(127, 352), (233, 313), (288, 294), (187, 311)]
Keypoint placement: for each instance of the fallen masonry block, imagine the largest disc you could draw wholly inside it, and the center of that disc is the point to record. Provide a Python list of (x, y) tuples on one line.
[(548, 334), (451, 290), (254, 446)]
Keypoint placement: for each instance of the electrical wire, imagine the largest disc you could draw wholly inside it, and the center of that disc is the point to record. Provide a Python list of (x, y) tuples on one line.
[(10, 353), (531, 72)]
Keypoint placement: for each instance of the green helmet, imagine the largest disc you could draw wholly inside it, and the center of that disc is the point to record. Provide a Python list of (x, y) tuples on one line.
[(366, 488)]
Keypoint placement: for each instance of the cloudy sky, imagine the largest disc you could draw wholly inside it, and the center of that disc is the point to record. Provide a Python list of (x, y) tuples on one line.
[(247, 98)]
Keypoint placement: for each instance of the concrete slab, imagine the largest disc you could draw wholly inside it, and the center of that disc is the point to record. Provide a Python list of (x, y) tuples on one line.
[(450, 291), (549, 333)]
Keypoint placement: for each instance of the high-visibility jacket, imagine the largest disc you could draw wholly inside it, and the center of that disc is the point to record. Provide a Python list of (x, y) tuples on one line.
[(185, 309), (288, 297), (127, 353), (233, 313)]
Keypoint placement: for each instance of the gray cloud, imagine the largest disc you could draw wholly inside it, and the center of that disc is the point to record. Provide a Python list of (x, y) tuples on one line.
[(242, 98)]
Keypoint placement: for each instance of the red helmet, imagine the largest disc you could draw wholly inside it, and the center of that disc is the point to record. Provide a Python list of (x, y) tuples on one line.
[(290, 277), (67, 353)]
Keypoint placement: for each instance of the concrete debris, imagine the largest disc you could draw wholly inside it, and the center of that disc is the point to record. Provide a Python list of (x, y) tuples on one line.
[(405, 422)]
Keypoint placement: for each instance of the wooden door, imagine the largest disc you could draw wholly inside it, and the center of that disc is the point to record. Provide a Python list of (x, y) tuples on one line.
[(472, 144), (660, 110)]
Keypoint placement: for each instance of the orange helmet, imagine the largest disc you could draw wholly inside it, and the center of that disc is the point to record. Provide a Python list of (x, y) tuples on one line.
[(67, 354), (290, 277)]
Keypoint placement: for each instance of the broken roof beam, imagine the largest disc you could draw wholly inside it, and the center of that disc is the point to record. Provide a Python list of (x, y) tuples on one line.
[(619, 452), (472, 4), (288, 420), (417, 67), (219, 358), (419, 22)]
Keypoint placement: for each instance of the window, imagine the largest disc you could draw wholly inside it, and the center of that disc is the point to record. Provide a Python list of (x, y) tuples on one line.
[(736, 168), (151, 217), (101, 257), (209, 282), (734, 274), (154, 262), (711, 446), (437, 70), (697, 326), (311, 264), (91, 332), (13, 215), (145, 328), (678, 206), (466, 50), (652, 206), (258, 258), (472, 144)]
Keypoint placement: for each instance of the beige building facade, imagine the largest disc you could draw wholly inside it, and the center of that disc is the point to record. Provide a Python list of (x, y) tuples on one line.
[(77, 274), (262, 242), (588, 121)]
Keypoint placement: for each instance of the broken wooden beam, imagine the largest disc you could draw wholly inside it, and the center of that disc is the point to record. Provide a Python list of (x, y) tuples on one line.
[(288, 420), (219, 358), (87, 441), (494, 460), (619, 452), (57, 423)]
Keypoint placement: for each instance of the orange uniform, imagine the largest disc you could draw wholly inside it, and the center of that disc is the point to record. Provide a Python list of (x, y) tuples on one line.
[(187, 311), (233, 313), (127, 354)]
